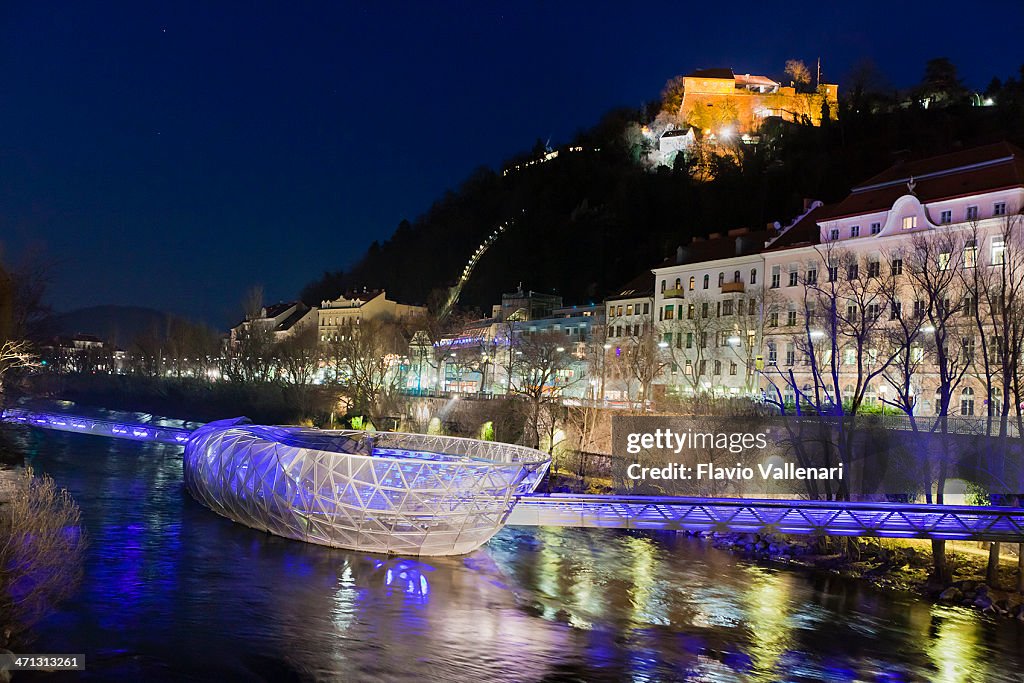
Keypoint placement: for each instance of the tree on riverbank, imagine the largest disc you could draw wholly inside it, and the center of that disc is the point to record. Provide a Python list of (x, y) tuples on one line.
[(41, 548)]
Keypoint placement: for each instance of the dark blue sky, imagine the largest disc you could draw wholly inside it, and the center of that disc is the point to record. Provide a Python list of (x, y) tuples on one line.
[(171, 154)]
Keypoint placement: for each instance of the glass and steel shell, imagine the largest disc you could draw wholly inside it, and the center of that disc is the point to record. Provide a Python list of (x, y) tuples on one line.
[(381, 492)]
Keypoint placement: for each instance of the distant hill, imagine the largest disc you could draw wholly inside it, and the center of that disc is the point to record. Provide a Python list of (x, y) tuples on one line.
[(117, 324)]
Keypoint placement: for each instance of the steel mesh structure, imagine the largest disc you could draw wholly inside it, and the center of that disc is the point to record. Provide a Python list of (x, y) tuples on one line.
[(410, 494), (785, 516)]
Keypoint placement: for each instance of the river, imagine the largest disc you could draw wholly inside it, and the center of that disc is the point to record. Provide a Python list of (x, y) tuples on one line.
[(174, 592)]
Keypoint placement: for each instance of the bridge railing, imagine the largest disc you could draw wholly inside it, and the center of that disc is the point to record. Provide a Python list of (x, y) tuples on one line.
[(801, 517), (99, 427)]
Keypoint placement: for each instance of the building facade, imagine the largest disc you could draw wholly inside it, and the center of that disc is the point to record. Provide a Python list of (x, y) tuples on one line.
[(350, 309)]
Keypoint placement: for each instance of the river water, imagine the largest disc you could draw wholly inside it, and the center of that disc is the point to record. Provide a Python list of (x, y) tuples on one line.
[(174, 592)]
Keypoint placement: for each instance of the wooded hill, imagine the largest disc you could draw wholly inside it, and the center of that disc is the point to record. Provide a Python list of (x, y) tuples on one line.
[(586, 222)]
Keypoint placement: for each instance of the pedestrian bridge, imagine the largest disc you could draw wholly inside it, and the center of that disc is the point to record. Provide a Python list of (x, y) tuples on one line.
[(784, 516), (742, 515)]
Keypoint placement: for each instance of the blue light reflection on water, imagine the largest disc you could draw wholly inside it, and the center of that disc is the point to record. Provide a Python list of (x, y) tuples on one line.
[(174, 591)]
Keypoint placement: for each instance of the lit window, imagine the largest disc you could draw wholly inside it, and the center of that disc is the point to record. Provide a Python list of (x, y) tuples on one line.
[(970, 254), (693, 282), (909, 222), (998, 250)]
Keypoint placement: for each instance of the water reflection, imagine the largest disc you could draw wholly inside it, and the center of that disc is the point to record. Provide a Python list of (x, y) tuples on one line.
[(173, 591)]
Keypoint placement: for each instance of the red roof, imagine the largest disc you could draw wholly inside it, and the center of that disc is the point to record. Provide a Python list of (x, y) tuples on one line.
[(971, 171)]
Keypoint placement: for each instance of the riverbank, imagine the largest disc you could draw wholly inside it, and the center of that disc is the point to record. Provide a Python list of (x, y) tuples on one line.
[(892, 564)]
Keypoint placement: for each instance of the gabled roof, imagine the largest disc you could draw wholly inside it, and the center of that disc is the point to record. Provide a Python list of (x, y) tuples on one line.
[(640, 286), (749, 79), (803, 231), (971, 171), (723, 73), (275, 310)]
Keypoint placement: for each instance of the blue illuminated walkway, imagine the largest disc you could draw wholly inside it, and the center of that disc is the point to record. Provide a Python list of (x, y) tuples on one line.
[(806, 517)]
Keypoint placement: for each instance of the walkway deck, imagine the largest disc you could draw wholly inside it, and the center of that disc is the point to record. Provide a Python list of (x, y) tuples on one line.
[(891, 520)]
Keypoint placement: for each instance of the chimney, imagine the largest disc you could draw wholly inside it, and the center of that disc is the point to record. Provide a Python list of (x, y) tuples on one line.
[(736, 232), (807, 204), (680, 252), (715, 236)]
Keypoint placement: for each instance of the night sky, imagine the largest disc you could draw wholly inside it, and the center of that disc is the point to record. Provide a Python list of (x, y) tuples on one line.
[(171, 154)]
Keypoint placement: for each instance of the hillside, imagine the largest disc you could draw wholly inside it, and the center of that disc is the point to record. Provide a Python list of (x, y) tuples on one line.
[(588, 221)]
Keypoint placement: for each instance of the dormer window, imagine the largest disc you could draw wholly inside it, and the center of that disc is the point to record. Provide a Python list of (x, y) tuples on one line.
[(946, 217), (999, 209), (909, 222), (855, 231), (972, 213), (833, 234), (876, 228)]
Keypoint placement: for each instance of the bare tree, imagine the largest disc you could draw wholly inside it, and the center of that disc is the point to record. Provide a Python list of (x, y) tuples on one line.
[(372, 372), (41, 547), (539, 375)]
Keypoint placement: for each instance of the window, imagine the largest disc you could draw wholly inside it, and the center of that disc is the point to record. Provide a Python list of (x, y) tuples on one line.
[(946, 217), (670, 312), (702, 368), (689, 340), (972, 213), (718, 309), (967, 402), (733, 368), (619, 311), (727, 307), (919, 309), (629, 309), (704, 310), (851, 311), (679, 284), (647, 308), (909, 222), (967, 344), (703, 343), (790, 354), (874, 311), (998, 250), (721, 279), (776, 276), (753, 276), (689, 368), (999, 209), (855, 231), (810, 311), (791, 318), (876, 228), (679, 340), (896, 311), (852, 271), (849, 356), (718, 367), (752, 307), (874, 268), (970, 254), (944, 260), (833, 273), (773, 354), (707, 279), (693, 282), (897, 266), (969, 307), (833, 234), (736, 276), (773, 318), (916, 353), (793, 276), (662, 286), (996, 349), (691, 310), (812, 276)]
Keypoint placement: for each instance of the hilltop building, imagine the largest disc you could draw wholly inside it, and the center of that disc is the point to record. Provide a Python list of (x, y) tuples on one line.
[(723, 103)]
